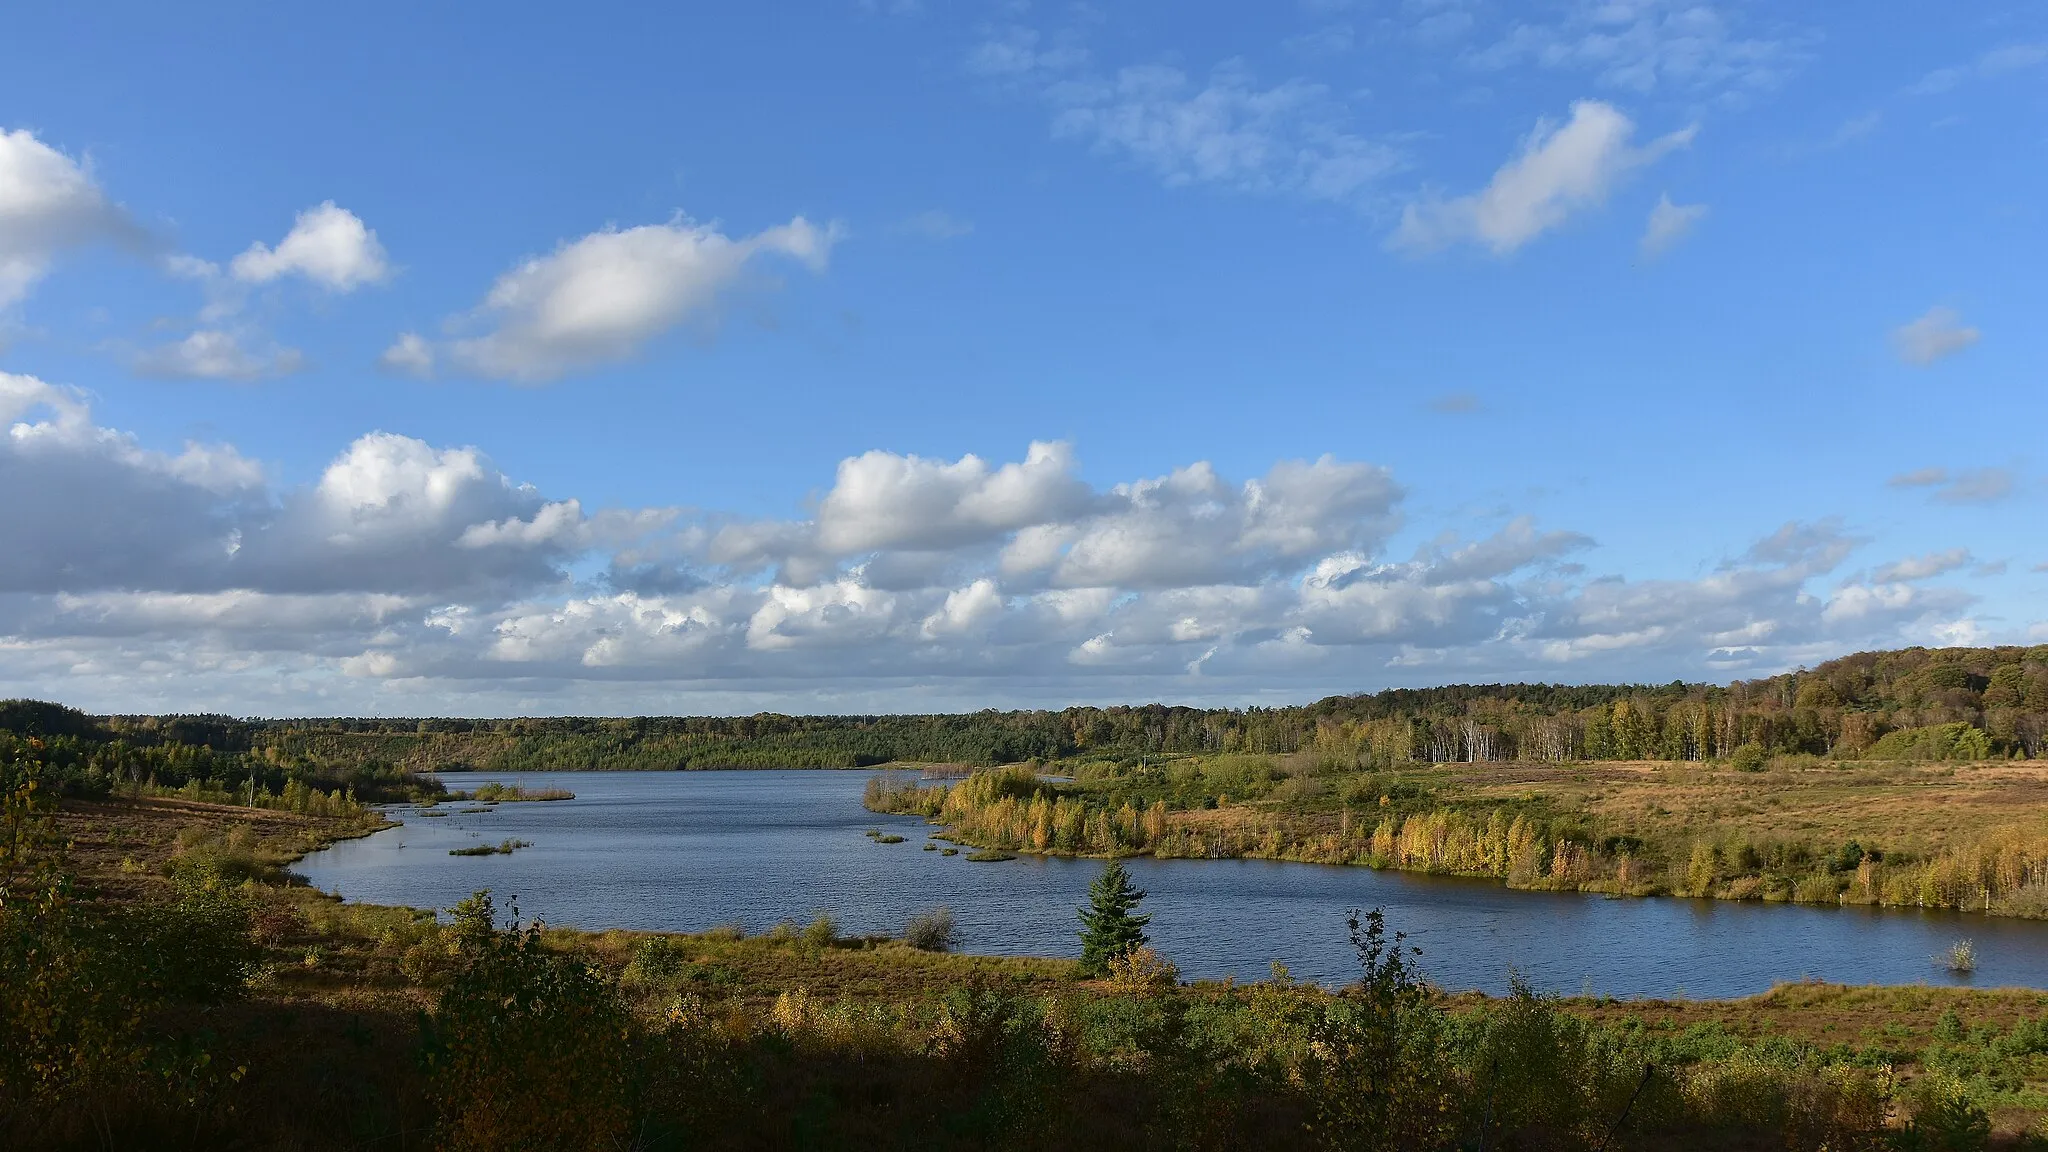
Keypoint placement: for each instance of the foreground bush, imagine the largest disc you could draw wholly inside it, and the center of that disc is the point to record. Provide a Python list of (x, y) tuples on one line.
[(527, 1048), (81, 983)]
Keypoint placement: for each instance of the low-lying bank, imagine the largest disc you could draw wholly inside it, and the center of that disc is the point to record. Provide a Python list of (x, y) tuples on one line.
[(1966, 837), (334, 1025)]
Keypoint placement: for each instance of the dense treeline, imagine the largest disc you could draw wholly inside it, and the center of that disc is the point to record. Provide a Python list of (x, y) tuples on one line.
[(82, 755), (1916, 703)]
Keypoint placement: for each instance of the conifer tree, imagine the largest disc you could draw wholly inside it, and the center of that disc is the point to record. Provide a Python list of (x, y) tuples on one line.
[(1110, 926)]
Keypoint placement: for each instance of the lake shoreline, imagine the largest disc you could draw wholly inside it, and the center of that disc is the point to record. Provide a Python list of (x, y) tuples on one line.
[(688, 851)]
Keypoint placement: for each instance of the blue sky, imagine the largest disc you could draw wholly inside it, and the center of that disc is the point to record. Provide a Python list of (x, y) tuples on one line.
[(896, 356)]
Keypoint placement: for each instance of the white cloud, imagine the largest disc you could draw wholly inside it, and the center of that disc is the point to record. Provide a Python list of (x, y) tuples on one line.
[(1938, 332), (252, 616), (1560, 169), (214, 354), (1192, 527), (1923, 567), (106, 512), (390, 514), (1992, 63), (600, 298), (48, 202), (1963, 486), (1229, 131), (168, 580), (966, 610), (328, 245), (409, 355), (882, 500), (1669, 223)]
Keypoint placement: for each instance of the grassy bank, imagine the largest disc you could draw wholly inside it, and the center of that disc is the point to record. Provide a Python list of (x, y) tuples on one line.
[(302, 1022), (1969, 836)]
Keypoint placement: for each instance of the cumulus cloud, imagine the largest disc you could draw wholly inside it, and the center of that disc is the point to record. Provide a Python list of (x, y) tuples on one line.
[(215, 354), (1559, 170), (1669, 223), (600, 298), (1938, 333), (1925, 567), (409, 355), (395, 514), (1963, 486), (48, 202), (390, 514), (96, 510), (882, 500), (1193, 527), (328, 245), (190, 577)]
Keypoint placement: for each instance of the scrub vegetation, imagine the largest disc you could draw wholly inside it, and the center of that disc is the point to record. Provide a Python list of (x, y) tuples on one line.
[(1898, 779), (165, 985)]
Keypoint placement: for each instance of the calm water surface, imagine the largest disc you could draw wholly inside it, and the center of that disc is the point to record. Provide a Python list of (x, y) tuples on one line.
[(686, 851)]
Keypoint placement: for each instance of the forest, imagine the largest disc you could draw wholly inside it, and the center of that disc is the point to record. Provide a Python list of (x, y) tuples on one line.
[(1910, 704)]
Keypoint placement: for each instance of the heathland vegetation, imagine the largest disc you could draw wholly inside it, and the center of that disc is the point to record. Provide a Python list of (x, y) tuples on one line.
[(163, 982), (1968, 837), (164, 985)]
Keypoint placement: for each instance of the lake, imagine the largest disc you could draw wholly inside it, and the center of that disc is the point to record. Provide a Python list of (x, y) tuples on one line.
[(687, 851)]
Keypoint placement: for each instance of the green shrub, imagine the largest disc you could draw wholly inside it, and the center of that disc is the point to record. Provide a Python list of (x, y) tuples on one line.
[(1382, 1078), (1945, 1119), (1749, 757), (822, 932), (197, 948), (931, 931), (1957, 741), (657, 960), (526, 1048)]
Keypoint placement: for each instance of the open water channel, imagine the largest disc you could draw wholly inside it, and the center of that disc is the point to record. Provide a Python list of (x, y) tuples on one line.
[(687, 851)]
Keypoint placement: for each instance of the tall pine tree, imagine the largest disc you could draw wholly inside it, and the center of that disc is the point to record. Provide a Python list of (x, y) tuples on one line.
[(1109, 926)]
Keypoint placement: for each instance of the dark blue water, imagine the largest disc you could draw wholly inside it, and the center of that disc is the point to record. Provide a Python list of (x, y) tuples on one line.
[(686, 851)]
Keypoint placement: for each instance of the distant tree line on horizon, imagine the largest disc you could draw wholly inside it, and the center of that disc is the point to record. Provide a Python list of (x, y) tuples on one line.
[(1914, 703)]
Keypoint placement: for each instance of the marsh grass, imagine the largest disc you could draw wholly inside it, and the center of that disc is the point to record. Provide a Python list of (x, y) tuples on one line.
[(1961, 957), (990, 856), (496, 793), (1803, 829), (502, 848)]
